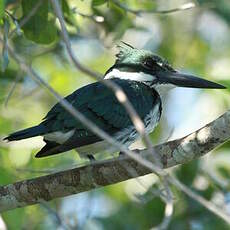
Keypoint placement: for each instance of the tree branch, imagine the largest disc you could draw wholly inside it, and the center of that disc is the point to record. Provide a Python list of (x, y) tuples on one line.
[(109, 172)]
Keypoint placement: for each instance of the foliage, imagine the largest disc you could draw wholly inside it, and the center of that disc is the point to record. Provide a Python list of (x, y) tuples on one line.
[(197, 40), (40, 28)]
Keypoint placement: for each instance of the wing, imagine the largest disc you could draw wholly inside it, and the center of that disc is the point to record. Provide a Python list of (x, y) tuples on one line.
[(99, 104)]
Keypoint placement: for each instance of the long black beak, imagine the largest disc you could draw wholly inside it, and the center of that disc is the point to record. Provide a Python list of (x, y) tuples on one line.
[(186, 80)]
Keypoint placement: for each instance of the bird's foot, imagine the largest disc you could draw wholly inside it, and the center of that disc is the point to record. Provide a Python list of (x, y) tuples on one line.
[(123, 153), (91, 158)]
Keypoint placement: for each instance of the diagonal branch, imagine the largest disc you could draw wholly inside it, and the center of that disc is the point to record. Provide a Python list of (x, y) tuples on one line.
[(109, 172)]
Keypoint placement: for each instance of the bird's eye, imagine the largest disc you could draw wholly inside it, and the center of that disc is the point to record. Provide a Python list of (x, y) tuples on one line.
[(149, 63)]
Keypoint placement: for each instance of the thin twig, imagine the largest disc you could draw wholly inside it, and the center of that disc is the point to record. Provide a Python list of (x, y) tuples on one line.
[(57, 217), (53, 170), (154, 192), (207, 204), (95, 18), (13, 87), (168, 207), (186, 6)]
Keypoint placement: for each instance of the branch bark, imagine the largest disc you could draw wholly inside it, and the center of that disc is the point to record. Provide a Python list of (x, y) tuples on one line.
[(109, 172)]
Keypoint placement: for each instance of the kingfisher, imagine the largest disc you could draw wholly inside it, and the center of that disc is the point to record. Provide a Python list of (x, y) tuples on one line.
[(143, 76)]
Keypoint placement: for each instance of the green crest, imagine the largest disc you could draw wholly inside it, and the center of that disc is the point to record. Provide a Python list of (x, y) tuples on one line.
[(130, 55)]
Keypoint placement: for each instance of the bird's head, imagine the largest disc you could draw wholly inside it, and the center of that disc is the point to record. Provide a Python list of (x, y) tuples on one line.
[(144, 66)]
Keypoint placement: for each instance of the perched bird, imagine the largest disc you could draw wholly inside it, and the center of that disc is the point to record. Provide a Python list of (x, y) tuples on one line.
[(142, 75)]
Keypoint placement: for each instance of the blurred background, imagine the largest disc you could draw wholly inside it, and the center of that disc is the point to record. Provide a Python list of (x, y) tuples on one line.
[(194, 41)]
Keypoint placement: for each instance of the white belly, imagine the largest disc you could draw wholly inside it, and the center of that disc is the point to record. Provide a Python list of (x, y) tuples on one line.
[(125, 137), (98, 147), (59, 137)]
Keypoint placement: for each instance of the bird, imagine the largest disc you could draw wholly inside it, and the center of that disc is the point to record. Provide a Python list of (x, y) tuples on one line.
[(142, 75)]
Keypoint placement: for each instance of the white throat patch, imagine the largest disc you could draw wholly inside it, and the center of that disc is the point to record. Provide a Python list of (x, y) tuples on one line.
[(134, 76), (163, 89)]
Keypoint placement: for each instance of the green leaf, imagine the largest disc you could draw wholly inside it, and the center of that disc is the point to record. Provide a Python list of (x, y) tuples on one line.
[(2, 8), (65, 7), (39, 28), (186, 173), (98, 2), (116, 21), (137, 216), (68, 13)]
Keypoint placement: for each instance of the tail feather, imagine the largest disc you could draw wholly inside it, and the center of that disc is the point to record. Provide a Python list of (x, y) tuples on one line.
[(50, 148), (27, 133)]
